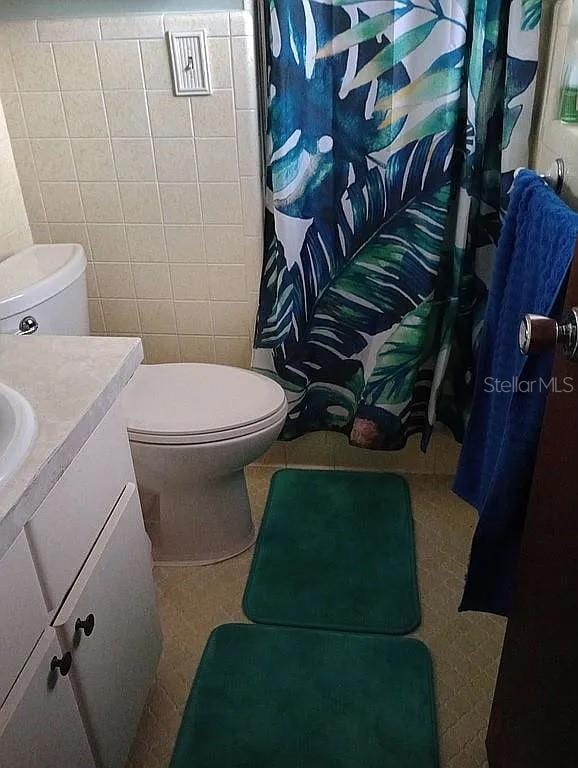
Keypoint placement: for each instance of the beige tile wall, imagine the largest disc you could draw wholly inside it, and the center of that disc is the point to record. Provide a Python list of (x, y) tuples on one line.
[(330, 450), (14, 228), (162, 191)]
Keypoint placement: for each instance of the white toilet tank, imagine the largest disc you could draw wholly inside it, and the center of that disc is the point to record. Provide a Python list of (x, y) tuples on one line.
[(43, 289)]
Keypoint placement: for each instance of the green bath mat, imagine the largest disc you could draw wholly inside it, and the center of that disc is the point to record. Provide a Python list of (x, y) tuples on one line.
[(280, 697), (335, 551)]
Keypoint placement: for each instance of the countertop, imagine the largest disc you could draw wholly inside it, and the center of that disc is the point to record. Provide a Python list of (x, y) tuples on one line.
[(71, 382)]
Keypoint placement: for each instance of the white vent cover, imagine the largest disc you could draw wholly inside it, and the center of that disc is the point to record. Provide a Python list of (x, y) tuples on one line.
[(189, 62)]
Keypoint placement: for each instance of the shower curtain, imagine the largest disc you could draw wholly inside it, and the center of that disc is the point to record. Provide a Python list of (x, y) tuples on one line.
[(393, 131)]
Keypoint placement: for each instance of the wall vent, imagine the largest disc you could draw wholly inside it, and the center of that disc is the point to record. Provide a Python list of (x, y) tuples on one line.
[(189, 63)]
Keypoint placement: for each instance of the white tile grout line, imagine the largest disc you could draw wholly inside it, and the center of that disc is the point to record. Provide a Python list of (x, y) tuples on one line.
[(27, 131), (163, 16), (202, 224), (154, 159), (109, 138)]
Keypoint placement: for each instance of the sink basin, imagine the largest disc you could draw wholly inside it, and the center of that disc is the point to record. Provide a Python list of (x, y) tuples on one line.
[(17, 430)]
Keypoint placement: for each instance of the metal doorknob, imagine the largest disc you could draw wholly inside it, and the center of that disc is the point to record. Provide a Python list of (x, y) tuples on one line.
[(540, 334)]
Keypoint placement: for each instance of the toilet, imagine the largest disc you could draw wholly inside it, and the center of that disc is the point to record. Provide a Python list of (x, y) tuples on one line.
[(192, 427)]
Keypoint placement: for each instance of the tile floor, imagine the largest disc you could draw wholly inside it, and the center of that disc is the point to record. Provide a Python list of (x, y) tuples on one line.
[(465, 647)]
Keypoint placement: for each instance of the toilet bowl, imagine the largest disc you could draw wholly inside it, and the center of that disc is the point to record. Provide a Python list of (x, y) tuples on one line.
[(193, 428)]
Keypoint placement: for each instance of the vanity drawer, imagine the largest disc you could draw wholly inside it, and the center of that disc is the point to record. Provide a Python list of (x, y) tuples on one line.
[(68, 522), (22, 610)]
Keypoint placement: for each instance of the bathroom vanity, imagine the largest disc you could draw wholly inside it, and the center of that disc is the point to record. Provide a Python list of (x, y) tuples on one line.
[(79, 631)]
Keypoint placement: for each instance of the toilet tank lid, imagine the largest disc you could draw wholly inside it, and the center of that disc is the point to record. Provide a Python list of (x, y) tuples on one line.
[(35, 274)]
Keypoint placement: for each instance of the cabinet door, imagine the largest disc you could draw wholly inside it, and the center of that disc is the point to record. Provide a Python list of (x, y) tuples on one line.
[(67, 523), (40, 725), (22, 609), (115, 656)]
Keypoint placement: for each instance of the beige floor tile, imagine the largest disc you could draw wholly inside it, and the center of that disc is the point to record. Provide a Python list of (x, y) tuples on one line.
[(465, 647)]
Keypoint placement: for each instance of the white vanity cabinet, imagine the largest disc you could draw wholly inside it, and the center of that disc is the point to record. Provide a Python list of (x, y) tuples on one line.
[(80, 636)]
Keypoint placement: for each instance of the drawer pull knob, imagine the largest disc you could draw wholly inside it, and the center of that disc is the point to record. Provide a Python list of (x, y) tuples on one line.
[(62, 664), (87, 625)]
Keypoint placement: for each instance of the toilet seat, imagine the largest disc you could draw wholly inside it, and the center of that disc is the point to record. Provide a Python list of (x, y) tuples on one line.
[(196, 403)]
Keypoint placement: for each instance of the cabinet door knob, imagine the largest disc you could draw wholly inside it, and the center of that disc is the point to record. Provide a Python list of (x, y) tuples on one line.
[(62, 664), (87, 625)]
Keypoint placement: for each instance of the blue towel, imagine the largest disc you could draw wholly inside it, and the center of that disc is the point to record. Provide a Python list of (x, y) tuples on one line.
[(497, 459)]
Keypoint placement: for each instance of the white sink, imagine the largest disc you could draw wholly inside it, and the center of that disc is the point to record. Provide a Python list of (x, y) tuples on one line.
[(17, 430)]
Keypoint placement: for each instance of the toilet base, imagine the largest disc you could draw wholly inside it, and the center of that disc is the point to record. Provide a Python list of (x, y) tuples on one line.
[(158, 556), (201, 523)]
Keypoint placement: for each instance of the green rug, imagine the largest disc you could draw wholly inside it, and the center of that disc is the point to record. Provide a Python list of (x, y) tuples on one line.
[(335, 551), (280, 697)]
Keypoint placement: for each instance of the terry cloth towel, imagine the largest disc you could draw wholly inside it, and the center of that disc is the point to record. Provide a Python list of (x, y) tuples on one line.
[(497, 459)]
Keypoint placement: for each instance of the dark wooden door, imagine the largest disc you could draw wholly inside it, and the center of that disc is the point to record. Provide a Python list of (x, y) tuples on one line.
[(534, 720)]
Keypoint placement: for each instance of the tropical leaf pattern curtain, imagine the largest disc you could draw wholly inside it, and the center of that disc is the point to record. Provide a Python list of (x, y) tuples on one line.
[(394, 128)]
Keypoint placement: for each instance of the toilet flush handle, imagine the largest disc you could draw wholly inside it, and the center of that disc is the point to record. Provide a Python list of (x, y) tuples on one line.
[(27, 326)]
